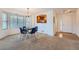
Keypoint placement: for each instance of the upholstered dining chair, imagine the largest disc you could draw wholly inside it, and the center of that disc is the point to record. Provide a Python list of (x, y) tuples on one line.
[(23, 32), (33, 31)]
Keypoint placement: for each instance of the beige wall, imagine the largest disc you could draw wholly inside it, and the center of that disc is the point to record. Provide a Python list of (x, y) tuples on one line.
[(58, 23), (77, 22)]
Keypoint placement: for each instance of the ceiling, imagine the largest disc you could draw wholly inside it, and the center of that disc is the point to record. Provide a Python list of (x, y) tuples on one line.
[(64, 10), (23, 11), (32, 11)]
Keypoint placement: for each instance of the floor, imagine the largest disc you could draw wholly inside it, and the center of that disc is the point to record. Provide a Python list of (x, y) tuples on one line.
[(42, 42)]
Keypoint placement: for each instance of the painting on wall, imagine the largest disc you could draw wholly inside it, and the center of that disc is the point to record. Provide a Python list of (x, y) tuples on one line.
[(42, 19)]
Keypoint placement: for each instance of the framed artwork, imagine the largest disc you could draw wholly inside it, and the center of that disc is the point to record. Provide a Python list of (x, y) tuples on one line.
[(41, 19)]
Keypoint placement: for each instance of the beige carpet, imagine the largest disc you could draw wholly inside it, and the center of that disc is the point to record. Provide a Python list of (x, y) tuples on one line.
[(42, 42)]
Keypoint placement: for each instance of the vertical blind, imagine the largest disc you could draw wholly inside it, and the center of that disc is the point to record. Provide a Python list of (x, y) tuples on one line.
[(12, 21), (4, 21)]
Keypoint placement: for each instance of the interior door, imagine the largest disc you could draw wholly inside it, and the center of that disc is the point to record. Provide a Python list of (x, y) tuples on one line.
[(67, 23)]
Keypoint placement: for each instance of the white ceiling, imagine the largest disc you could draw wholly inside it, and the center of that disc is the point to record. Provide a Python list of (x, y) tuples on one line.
[(32, 11), (23, 11), (63, 10)]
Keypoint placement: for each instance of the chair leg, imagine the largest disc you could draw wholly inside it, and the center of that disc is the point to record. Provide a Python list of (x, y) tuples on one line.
[(35, 36), (23, 36), (20, 36), (27, 36)]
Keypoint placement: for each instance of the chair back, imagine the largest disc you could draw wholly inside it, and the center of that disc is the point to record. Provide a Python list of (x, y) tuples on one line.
[(34, 30), (23, 30), (24, 27)]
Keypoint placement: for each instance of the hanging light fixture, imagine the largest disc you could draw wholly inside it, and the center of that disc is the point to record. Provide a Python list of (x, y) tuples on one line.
[(28, 18), (27, 12)]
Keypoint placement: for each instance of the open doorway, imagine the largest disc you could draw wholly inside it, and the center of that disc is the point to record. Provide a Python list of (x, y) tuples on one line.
[(64, 21)]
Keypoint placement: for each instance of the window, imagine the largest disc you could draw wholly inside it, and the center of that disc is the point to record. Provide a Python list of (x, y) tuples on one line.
[(13, 21), (4, 21), (20, 21), (24, 21), (28, 21)]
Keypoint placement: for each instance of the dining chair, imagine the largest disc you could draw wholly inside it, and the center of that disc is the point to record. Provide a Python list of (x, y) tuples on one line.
[(23, 32), (33, 31)]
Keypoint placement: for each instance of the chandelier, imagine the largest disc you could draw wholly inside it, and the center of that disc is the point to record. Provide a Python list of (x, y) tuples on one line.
[(28, 18), (28, 12)]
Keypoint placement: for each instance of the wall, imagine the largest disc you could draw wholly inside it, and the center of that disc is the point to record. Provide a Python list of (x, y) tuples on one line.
[(77, 22), (58, 22), (46, 28), (74, 20), (55, 23), (74, 17), (4, 33)]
